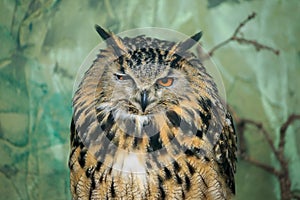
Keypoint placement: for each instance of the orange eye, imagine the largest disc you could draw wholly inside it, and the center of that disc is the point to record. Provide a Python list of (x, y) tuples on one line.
[(166, 82)]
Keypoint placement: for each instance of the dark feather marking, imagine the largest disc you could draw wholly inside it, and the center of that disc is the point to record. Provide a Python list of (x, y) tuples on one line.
[(86, 123), (187, 183), (199, 134), (121, 62), (110, 135), (100, 116), (206, 104), (162, 192), (175, 62), (178, 179), (136, 142), (98, 166), (82, 157), (93, 186), (205, 117), (102, 150), (167, 173), (188, 152), (89, 171), (77, 113), (197, 152), (204, 182), (93, 135), (161, 188), (74, 138), (176, 166), (174, 118), (81, 145), (72, 153), (183, 194), (101, 178), (112, 189), (109, 122), (191, 168), (154, 143), (206, 158)]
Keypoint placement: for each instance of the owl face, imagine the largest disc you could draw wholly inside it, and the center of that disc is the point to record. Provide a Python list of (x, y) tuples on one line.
[(138, 93), (148, 79)]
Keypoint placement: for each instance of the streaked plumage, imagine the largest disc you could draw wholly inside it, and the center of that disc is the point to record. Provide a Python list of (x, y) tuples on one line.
[(148, 123)]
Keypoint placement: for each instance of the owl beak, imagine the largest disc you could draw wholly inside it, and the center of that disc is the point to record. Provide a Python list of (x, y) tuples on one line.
[(144, 100)]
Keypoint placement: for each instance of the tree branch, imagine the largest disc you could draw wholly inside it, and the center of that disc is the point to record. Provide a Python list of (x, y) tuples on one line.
[(241, 40), (284, 128)]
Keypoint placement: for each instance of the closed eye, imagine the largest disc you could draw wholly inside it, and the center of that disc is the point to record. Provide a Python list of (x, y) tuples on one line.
[(165, 82), (122, 77)]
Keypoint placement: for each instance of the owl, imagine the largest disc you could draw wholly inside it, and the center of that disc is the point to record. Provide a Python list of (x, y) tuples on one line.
[(148, 123)]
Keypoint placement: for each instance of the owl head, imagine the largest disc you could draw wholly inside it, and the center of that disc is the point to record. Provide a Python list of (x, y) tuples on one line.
[(147, 75), (144, 94)]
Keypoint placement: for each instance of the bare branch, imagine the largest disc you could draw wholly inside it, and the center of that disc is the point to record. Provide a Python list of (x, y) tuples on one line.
[(266, 134), (261, 165), (282, 173), (258, 46), (284, 128)]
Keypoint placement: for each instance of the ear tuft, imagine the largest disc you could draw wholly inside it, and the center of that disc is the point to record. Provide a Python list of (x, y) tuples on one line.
[(112, 40), (103, 34), (185, 45), (189, 43)]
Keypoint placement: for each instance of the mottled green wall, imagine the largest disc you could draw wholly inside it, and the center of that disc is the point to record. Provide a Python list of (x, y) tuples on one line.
[(44, 42)]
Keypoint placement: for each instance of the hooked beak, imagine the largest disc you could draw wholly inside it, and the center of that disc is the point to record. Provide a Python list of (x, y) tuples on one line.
[(144, 100)]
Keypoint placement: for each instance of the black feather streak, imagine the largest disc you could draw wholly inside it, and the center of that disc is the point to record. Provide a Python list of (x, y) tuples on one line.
[(161, 188), (167, 173), (187, 183), (178, 179), (176, 166), (81, 157), (174, 118), (155, 143)]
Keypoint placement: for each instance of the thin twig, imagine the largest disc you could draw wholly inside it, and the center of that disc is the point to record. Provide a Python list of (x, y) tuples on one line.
[(258, 46), (261, 165), (282, 174), (266, 134), (243, 23), (284, 128)]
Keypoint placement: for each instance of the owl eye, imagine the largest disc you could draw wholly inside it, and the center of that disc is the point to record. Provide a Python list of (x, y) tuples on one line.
[(165, 82), (122, 77)]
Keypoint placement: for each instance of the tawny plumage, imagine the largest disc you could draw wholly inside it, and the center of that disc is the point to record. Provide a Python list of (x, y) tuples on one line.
[(148, 123)]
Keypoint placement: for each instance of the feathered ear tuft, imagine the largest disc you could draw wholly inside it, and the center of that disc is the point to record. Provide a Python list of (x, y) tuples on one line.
[(103, 34), (112, 40), (190, 42), (185, 45)]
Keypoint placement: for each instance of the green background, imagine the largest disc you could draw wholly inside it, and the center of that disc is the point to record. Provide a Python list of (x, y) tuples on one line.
[(43, 43)]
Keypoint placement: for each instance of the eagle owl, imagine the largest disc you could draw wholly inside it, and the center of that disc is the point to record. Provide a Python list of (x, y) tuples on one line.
[(148, 123)]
